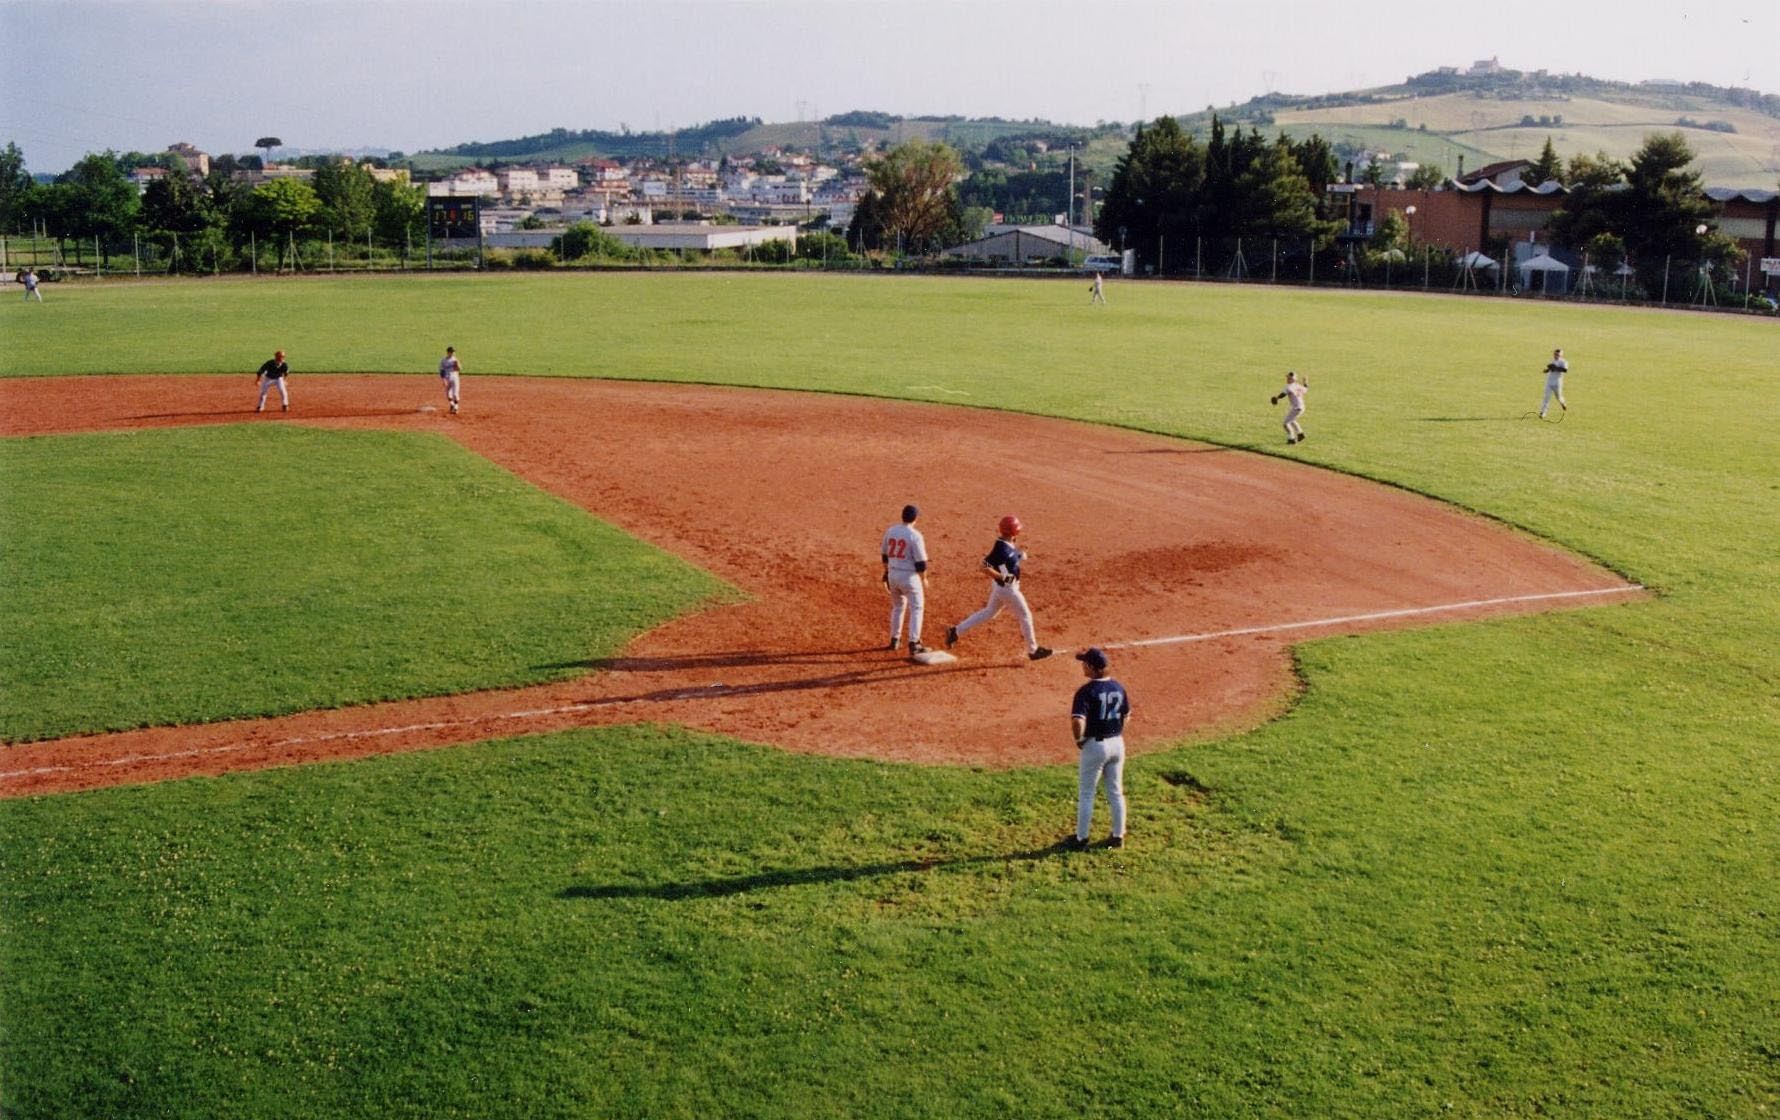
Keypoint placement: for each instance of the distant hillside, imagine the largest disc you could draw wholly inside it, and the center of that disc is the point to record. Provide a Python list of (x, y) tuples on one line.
[(1436, 117)]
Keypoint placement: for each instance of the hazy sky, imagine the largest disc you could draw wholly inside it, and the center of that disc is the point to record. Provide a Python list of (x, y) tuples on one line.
[(83, 76)]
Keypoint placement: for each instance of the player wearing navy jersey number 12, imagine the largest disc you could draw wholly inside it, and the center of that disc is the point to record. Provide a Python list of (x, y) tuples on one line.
[(904, 553), (1003, 565), (1097, 719)]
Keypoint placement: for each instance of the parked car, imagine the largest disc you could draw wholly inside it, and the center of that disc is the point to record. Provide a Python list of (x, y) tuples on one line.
[(1103, 263)]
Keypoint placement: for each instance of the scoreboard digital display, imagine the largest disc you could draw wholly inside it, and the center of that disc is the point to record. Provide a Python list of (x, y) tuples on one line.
[(451, 218)]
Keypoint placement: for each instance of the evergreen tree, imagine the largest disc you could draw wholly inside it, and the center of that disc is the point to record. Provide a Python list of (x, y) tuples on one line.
[(1154, 193), (1547, 167)]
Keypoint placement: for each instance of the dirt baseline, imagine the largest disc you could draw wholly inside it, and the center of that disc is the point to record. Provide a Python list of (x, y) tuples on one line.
[(1134, 539)]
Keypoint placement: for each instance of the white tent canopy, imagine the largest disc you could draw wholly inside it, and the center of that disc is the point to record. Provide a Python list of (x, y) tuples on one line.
[(1554, 275), (1474, 259)]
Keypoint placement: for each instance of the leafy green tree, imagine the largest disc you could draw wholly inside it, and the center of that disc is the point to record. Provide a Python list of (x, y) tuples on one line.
[(282, 207), (1664, 204), (15, 185), (1587, 213), (587, 239), (175, 204), (1316, 158), (1276, 197), (1606, 251), (1547, 167), (399, 211), (348, 197), (823, 246), (916, 198), (101, 201), (1426, 177), (1154, 193)]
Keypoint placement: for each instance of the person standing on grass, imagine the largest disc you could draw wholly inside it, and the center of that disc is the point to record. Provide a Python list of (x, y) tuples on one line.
[(1099, 290), (273, 372), (29, 279), (1554, 382), (450, 369), (1295, 390), (1097, 719)]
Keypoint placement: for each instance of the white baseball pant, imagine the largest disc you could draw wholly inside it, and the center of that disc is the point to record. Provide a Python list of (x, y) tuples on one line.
[(908, 596), (1554, 387), (266, 384), (1101, 758), (1004, 595)]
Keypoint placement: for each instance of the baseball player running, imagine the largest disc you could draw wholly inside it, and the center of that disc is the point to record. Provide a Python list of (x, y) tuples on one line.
[(1554, 382), (1097, 718), (273, 372), (1295, 389), (450, 369), (1003, 566), (904, 553)]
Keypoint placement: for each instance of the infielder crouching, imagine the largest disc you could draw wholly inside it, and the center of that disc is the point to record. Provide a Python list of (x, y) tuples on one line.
[(1097, 718), (904, 553), (273, 372)]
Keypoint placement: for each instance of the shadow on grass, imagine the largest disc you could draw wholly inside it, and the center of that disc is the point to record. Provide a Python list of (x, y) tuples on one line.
[(1464, 419), (797, 877)]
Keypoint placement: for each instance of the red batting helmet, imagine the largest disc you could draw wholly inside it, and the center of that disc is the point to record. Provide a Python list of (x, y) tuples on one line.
[(1010, 526)]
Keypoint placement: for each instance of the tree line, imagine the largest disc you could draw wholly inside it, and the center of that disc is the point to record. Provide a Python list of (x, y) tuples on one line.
[(211, 220)]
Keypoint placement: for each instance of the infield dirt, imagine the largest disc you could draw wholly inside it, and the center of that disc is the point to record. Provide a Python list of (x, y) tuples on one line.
[(1132, 537)]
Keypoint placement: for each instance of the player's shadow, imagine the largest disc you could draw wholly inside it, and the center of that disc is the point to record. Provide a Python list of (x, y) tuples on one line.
[(876, 674), (1174, 451), (243, 414), (721, 659), (793, 877)]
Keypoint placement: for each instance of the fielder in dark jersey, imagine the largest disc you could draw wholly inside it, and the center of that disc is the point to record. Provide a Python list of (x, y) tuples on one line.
[(272, 373), (1097, 718)]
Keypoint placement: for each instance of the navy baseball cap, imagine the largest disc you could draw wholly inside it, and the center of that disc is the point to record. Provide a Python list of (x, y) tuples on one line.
[(909, 513), (1093, 657)]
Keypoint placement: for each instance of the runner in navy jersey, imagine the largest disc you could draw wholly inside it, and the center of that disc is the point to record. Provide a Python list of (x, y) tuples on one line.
[(1003, 565)]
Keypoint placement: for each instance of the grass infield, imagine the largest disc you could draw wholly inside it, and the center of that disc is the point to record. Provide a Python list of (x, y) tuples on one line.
[(1524, 867)]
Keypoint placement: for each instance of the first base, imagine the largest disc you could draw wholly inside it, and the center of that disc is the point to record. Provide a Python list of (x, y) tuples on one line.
[(932, 657)]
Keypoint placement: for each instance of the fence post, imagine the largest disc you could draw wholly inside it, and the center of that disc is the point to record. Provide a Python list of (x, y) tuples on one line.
[(1312, 262), (1275, 277), (1160, 240), (330, 250), (1427, 263), (98, 268), (1666, 261), (1198, 258), (253, 247)]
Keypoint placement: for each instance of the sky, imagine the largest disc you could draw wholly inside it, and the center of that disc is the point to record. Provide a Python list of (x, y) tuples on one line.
[(87, 75)]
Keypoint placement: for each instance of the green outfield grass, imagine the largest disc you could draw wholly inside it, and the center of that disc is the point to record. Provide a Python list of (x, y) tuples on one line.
[(178, 576), (1525, 867)]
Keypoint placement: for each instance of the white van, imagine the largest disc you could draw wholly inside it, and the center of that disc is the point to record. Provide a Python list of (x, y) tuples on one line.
[(1104, 263)]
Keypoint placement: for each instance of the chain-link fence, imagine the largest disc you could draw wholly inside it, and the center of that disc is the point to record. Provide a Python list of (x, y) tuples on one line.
[(1495, 270)]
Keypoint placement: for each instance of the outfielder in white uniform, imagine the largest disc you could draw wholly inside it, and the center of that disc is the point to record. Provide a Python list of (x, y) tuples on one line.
[(450, 369), (1554, 382), (1295, 390), (904, 553), (1098, 290), (1003, 566)]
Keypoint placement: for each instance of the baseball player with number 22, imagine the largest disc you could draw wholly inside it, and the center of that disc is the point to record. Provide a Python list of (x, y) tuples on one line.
[(1003, 566), (904, 553)]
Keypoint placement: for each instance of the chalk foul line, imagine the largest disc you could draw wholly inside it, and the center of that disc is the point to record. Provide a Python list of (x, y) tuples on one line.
[(1373, 616), (718, 689)]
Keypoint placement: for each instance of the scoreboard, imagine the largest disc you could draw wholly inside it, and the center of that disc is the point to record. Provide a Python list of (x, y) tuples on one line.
[(449, 217)]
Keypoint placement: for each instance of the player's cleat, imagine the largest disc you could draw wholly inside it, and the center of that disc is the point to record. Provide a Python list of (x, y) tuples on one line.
[(261, 408), (916, 649), (1075, 844), (894, 643), (286, 408), (1115, 841), (1039, 654), (951, 636), (454, 408), (1300, 437)]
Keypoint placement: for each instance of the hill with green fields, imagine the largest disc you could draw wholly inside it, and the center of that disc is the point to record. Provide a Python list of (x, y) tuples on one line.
[(1447, 119)]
